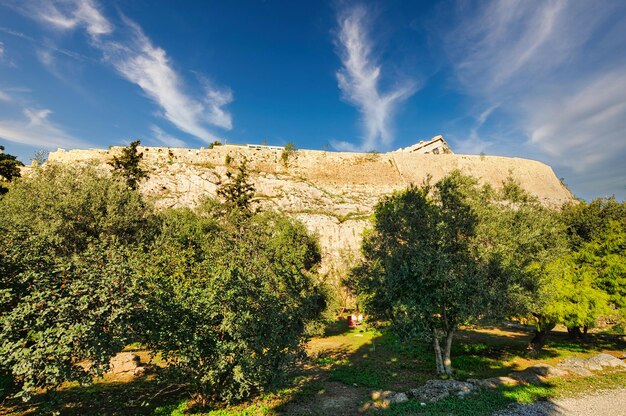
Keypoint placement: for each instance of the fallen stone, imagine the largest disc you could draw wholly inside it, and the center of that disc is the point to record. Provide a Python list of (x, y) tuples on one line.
[(125, 362), (399, 398), (607, 360), (547, 371), (435, 390), (579, 366), (527, 377)]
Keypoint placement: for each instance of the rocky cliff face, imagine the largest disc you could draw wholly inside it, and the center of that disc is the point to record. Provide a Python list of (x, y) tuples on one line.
[(332, 193)]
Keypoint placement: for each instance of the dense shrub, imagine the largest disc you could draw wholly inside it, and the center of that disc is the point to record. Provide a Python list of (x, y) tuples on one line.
[(227, 298), (73, 206)]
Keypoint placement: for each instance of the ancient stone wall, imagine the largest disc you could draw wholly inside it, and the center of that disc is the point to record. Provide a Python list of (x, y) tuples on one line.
[(332, 193)]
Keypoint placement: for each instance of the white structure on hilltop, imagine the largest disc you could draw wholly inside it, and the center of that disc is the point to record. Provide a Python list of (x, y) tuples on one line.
[(436, 146)]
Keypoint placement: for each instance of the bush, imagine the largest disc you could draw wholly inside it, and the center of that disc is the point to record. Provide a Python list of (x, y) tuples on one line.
[(227, 299), (66, 296), (72, 206)]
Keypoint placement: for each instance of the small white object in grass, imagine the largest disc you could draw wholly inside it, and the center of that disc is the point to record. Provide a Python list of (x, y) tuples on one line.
[(423, 404), (358, 335)]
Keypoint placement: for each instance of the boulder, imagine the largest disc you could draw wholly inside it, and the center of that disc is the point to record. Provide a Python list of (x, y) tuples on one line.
[(578, 366), (527, 377), (399, 398), (545, 370), (606, 360), (126, 363), (435, 390)]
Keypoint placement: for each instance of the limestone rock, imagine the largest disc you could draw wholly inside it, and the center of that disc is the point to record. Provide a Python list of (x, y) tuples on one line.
[(546, 370), (399, 398), (579, 366), (332, 193), (435, 390), (126, 363), (606, 360)]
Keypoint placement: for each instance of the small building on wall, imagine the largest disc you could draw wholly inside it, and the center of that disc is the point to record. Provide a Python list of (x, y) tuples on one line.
[(436, 146)]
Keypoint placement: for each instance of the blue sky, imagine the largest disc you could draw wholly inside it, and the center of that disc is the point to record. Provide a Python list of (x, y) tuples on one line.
[(538, 79)]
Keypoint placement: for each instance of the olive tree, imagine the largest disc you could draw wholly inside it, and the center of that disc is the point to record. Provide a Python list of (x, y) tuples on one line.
[(421, 267)]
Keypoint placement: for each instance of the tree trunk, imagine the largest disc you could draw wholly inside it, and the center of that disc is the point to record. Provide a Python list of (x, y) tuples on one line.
[(438, 357), (574, 333), (447, 360), (540, 337)]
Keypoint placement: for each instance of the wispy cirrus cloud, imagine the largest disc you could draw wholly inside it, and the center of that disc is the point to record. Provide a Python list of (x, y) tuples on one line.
[(65, 15), (163, 138), (36, 129), (4, 97), (149, 67), (134, 57), (557, 70), (359, 80)]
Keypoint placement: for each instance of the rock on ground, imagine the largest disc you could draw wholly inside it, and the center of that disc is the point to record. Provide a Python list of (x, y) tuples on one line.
[(127, 363), (606, 360)]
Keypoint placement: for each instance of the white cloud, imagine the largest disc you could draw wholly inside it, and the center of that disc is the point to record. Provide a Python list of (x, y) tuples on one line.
[(585, 127), (148, 66), (72, 14), (557, 70), (138, 60), (4, 97), (35, 129), (163, 138), (1, 50), (359, 80)]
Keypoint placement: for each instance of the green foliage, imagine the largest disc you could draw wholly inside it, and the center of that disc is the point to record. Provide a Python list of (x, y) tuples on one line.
[(228, 160), (56, 312), (238, 191), (227, 298), (73, 206), (422, 268), (67, 290), (569, 294), (127, 165), (9, 169), (40, 157), (288, 152), (597, 243), (215, 143)]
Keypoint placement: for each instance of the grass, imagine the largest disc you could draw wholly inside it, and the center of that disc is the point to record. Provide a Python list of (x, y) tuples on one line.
[(488, 401), (344, 366)]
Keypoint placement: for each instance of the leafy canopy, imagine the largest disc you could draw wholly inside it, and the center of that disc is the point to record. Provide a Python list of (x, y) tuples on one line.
[(127, 165), (9, 169), (67, 292), (227, 304)]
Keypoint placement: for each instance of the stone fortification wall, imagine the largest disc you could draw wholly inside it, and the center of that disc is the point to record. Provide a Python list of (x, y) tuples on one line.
[(332, 193)]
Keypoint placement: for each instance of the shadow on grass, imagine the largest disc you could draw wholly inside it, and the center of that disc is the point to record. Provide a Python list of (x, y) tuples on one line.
[(385, 362), (339, 375), (137, 397)]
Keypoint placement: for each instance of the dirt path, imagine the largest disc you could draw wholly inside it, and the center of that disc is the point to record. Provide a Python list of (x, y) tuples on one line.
[(603, 403)]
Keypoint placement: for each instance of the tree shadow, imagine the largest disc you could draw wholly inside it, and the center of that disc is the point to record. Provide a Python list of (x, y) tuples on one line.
[(345, 379), (140, 396)]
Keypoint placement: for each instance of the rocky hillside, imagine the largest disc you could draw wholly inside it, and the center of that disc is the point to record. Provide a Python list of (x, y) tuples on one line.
[(332, 193)]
